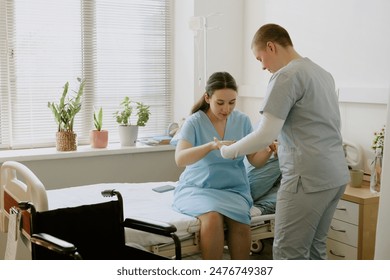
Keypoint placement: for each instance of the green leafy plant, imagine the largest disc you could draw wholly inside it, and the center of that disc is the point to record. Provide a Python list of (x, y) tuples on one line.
[(65, 111), (98, 119), (142, 111)]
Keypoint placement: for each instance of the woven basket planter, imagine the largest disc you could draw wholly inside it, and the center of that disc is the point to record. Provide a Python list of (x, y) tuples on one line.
[(66, 141)]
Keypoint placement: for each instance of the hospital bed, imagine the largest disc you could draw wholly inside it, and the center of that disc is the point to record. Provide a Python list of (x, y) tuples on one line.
[(141, 201)]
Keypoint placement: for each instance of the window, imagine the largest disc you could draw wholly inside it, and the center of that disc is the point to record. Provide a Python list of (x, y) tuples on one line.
[(122, 48)]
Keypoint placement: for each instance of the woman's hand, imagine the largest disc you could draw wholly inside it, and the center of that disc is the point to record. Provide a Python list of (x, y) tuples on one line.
[(187, 154), (219, 143), (274, 148)]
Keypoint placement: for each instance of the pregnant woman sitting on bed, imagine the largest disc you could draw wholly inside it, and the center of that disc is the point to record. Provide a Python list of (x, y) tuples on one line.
[(211, 188)]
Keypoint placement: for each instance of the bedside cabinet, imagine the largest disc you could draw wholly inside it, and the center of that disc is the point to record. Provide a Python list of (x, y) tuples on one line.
[(352, 232)]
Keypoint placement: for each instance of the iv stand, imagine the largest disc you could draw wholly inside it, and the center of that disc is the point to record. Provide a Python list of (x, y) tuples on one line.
[(200, 23)]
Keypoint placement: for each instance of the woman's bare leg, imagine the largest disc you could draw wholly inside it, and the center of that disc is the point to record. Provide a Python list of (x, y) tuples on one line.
[(239, 240), (211, 236)]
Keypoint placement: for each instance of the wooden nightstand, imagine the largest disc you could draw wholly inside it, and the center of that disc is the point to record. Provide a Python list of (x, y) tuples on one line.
[(353, 228)]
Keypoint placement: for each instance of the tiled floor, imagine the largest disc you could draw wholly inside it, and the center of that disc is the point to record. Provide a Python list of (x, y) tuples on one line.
[(265, 254)]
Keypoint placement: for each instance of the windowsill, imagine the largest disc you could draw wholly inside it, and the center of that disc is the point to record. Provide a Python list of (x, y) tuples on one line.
[(82, 151)]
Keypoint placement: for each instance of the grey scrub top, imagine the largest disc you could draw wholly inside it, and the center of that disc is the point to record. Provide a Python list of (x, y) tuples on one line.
[(310, 143)]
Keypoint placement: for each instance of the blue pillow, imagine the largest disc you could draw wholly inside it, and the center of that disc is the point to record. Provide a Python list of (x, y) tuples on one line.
[(262, 179)]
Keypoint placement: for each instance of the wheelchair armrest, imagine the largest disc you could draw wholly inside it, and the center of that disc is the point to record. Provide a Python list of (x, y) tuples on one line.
[(156, 227), (54, 244), (151, 226)]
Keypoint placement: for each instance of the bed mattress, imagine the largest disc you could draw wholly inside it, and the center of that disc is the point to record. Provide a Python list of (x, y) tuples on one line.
[(140, 201)]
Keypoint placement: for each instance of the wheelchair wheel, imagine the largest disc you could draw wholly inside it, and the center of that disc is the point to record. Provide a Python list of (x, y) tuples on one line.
[(257, 246)]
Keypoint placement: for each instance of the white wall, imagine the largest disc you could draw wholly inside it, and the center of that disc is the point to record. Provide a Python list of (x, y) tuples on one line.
[(224, 47), (348, 38), (114, 168), (224, 35), (184, 57)]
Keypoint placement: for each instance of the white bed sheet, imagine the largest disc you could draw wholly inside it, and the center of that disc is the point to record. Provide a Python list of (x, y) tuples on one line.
[(140, 201)]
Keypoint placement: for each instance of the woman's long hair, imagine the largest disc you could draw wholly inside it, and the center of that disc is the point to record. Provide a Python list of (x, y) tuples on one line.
[(218, 80)]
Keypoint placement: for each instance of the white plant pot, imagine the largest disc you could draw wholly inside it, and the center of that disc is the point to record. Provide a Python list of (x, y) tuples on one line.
[(128, 135)]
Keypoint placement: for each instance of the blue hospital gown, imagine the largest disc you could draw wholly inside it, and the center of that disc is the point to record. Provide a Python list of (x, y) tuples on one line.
[(214, 183)]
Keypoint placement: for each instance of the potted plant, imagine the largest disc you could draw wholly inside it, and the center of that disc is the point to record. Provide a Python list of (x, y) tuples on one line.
[(128, 132), (98, 137), (64, 113), (378, 145)]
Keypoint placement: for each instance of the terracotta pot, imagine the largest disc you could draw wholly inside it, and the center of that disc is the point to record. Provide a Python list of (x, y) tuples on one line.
[(66, 141), (98, 139)]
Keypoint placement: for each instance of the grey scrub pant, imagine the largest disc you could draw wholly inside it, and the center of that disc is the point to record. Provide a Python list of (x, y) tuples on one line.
[(302, 222)]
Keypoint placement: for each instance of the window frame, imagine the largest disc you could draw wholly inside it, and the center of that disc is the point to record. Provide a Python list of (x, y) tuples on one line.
[(86, 114)]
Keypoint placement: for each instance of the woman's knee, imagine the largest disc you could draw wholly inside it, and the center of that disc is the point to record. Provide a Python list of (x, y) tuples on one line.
[(211, 219)]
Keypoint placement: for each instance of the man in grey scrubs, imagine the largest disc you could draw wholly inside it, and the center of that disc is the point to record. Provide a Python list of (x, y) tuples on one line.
[(301, 110)]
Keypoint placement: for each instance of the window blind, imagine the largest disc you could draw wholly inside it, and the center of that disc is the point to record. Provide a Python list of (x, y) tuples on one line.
[(4, 128), (121, 48)]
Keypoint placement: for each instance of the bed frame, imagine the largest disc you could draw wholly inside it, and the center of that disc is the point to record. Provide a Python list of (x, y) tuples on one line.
[(190, 243), (18, 183)]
